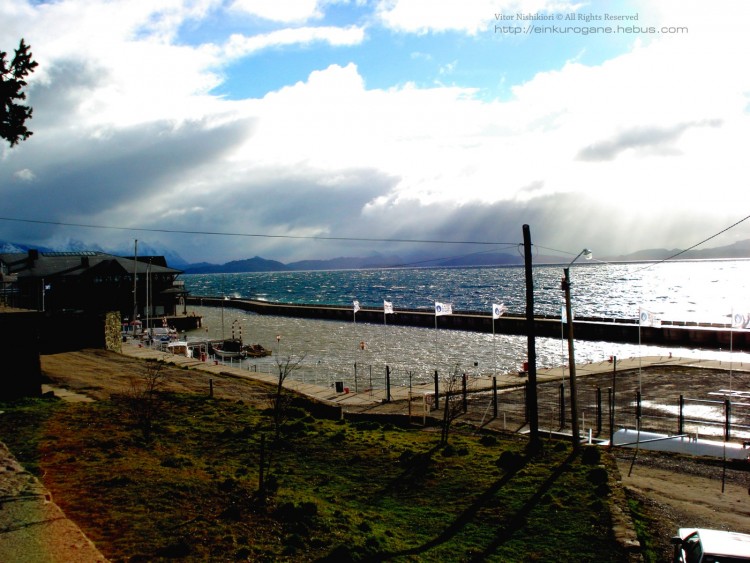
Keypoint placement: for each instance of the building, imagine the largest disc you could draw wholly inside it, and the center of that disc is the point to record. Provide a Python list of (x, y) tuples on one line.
[(91, 282)]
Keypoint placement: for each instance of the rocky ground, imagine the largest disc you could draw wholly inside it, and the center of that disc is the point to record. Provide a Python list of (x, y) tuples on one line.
[(674, 491)]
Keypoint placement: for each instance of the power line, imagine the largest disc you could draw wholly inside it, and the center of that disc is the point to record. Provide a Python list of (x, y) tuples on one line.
[(257, 235)]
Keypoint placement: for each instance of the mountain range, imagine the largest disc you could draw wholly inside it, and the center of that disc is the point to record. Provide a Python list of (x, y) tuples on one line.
[(737, 250)]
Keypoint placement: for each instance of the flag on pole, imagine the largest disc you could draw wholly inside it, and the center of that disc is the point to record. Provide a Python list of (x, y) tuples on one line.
[(564, 314), (740, 321), (498, 310), (387, 308), (647, 318), (356, 305), (443, 309)]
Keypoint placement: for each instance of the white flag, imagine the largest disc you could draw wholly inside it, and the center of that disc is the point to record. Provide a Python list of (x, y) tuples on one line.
[(387, 308), (498, 310), (647, 318), (443, 309), (564, 314), (740, 321), (356, 305)]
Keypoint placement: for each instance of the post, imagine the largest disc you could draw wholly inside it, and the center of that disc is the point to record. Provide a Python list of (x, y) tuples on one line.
[(387, 384), (611, 417), (211, 388), (598, 411), (572, 361), (463, 393), (727, 420), (638, 407), (562, 405), (612, 412), (494, 395), (532, 404), (681, 416), (437, 395)]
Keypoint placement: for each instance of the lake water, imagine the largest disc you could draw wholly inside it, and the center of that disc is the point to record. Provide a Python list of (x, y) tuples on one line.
[(703, 291)]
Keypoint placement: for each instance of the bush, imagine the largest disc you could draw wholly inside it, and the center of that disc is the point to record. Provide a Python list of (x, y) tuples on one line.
[(488, 440), (509, 460), (591, 455)]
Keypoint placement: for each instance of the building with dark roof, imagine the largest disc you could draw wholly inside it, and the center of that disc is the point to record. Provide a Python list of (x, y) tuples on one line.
[(91, 282)]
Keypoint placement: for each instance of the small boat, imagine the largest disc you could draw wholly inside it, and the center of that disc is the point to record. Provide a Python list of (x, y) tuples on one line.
[(227, 349), (256, 351)]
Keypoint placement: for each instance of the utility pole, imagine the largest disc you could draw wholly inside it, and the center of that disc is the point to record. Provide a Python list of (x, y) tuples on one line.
[(532, 403), (135, 286), (571, 350)]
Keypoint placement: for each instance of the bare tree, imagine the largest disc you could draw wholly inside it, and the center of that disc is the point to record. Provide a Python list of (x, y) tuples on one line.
[(452, 403), (281, 399), (143, 399)]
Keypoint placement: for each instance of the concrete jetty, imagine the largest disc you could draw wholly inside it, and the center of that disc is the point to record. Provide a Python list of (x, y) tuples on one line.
[(711, 336)]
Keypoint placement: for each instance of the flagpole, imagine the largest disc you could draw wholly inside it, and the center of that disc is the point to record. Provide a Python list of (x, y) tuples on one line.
[(731, 334)]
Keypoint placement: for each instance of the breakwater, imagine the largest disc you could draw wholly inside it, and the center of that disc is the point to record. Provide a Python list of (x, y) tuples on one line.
[(710, 336)]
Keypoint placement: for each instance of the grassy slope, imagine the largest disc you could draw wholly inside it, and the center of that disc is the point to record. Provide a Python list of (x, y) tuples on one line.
[(344, 489)]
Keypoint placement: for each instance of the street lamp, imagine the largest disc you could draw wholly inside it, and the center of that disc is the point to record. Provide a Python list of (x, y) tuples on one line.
[(586, 253)]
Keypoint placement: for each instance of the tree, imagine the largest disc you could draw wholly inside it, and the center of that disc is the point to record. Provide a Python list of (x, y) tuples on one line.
[(13, 115), (452, 404), (144, 398)]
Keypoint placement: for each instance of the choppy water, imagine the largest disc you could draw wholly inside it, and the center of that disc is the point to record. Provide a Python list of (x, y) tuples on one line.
[(703, 291)]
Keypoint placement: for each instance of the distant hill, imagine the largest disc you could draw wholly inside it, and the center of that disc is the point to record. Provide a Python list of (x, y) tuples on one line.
[(740, 249), (256, 264), (736, 250)]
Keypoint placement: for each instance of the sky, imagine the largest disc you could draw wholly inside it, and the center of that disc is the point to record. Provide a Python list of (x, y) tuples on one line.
[(301, 129)]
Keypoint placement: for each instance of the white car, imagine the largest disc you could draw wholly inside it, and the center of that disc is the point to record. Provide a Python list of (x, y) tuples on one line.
[(699, 545)]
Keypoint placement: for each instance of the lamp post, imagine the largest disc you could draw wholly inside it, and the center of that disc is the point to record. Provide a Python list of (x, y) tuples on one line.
[(586, 253)]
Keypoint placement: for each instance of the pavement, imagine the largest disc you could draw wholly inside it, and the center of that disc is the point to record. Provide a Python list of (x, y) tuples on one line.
[(34, 529)]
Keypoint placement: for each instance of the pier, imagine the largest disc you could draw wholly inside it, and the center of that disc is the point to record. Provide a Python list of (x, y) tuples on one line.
[(709, 336)]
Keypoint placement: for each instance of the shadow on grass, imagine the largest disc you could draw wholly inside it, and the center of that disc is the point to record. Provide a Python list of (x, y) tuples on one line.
[(513, 522)]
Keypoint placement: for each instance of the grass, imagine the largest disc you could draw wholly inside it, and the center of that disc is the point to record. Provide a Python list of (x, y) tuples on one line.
[(338, 490)]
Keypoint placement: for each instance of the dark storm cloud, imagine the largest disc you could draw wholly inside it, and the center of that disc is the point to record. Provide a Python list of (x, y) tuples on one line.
[(93, 175), (654, 139)]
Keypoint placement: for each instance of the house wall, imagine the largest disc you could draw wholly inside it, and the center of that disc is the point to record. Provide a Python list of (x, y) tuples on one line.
[(20, 334)]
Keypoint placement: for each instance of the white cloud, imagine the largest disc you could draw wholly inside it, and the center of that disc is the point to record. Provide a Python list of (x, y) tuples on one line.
[(240, 45), (24, 175), (286, 11)]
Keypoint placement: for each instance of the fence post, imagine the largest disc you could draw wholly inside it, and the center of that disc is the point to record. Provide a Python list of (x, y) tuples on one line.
[(681, 417), (638, 406), (387, 384), (728, 420), (526, 401), (562, 405), (611, 397), (463, 392), (437, 394), (355, 378), (494, 395), (598, 411)]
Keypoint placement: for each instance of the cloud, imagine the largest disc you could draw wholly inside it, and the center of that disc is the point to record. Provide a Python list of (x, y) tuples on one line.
[(645, 140), (239, 45), (286, 11), (129, 133)]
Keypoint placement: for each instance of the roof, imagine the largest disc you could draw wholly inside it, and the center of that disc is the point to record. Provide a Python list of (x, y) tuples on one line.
[(38, 264), (720, 542)]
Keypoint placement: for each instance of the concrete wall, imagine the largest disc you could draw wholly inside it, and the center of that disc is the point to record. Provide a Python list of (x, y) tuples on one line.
[(695, 335)]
